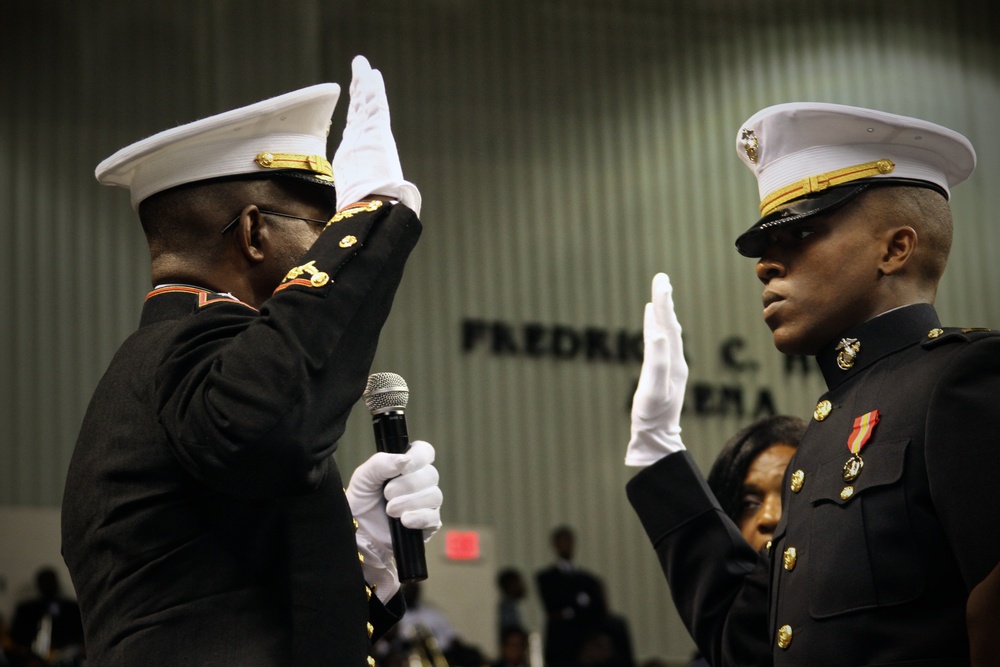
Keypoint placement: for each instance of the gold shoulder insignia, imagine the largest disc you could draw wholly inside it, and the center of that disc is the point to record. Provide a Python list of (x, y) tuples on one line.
[(354, 209), (317, 278)]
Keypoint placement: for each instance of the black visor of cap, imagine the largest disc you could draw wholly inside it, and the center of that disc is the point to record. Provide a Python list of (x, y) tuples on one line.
[(328, 187), (753, 241)]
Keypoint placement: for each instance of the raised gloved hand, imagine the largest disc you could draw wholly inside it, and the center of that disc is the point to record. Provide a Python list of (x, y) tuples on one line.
[(366, 162), (411, 495), (656, 407)]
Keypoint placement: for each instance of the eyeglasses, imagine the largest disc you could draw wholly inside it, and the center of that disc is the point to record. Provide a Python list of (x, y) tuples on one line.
[(282, 215)]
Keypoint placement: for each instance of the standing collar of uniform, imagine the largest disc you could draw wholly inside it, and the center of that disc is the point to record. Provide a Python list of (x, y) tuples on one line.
[(171, 302), (882, 335)]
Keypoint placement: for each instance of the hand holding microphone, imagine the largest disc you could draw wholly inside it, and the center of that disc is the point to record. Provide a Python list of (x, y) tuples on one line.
[(394, 495)]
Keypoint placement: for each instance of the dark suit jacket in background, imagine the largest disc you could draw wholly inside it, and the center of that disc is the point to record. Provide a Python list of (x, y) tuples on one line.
[(881, 573), (204, 518), (66, 629), (574, 607)]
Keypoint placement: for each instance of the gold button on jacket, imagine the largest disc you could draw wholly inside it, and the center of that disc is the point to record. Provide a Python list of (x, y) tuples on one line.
[(789, 558), (784, 636), (798, 479)]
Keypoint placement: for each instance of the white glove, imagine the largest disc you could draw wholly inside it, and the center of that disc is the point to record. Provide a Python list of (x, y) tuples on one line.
[(366, 162), (656, 407), (413, 497)]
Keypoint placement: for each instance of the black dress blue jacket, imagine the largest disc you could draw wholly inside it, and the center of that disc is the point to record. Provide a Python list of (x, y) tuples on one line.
[(878, 573), (204, 518)]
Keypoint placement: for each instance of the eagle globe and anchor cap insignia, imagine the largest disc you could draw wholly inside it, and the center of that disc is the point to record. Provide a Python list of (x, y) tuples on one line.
[(848, 349), (750, 144)]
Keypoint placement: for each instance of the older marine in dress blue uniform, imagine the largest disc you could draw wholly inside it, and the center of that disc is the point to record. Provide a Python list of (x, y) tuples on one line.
[(205, 521)]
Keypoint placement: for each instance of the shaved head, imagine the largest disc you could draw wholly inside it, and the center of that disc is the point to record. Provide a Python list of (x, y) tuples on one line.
[(928, 213)]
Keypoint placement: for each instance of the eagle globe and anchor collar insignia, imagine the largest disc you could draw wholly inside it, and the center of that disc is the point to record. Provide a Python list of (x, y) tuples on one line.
[(847, 353)]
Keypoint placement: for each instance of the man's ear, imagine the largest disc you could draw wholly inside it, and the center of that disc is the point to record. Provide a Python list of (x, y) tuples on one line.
[(250, 234), (900, 246)]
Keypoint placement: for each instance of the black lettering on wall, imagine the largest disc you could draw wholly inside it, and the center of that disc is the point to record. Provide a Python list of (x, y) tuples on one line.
[(534, 339), (503, 339), (555, 341), (729, 352), (765, 404), (596, 345), (473, 331), (798, 362), (565, 343)]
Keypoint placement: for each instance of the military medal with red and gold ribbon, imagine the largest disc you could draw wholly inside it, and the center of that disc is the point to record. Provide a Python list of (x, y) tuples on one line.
[(863, 427)]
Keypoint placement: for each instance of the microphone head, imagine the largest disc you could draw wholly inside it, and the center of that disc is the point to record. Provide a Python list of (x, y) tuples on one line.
[(385, 392)]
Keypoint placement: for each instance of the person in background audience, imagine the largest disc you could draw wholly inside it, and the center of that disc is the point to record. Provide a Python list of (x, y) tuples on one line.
[(746, 476), (513, 589), (513, 647), (48, 625), (573, 600), (423, 621), (746, 479), (580, 628)]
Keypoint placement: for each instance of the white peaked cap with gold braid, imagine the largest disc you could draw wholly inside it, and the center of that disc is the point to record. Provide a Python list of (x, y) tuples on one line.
[(288, 133), (809, 157)]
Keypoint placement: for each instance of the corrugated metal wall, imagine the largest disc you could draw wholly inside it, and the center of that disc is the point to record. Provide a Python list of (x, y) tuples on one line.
[(566, 151)]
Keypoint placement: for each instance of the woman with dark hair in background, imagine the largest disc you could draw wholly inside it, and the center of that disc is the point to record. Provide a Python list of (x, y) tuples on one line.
[(746, 477)]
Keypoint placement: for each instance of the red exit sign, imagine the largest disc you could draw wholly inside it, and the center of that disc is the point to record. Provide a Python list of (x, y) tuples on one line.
[(461, 545)]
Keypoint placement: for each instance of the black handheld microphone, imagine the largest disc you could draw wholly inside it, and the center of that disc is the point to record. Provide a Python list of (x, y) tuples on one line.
[(386, 397)]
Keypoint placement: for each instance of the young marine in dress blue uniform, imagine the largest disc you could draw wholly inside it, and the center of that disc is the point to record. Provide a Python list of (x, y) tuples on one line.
[(887, 551)]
